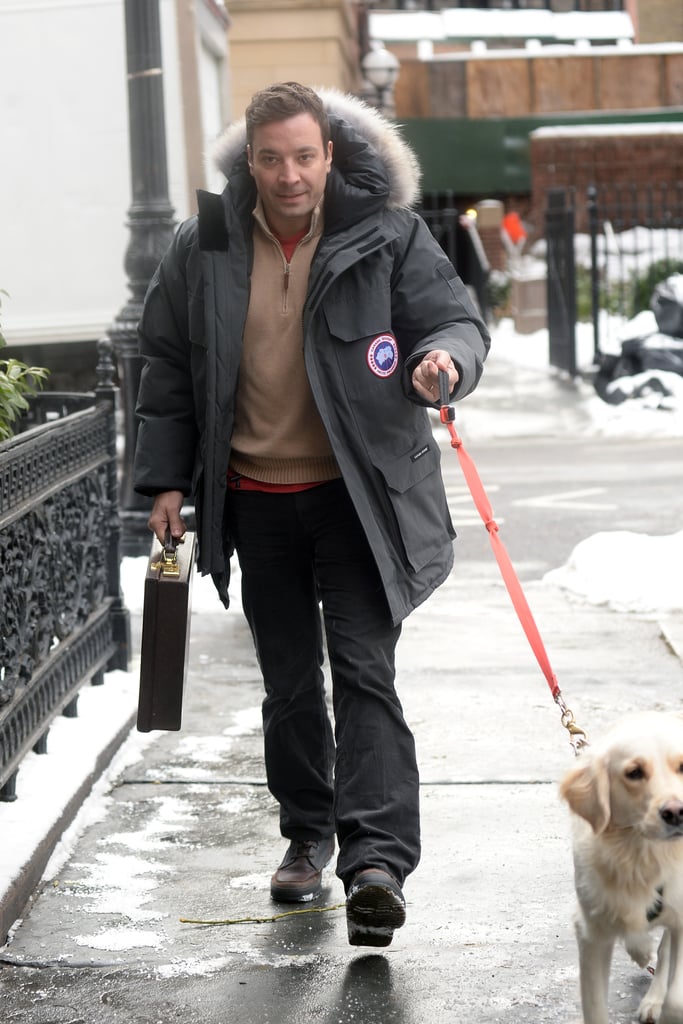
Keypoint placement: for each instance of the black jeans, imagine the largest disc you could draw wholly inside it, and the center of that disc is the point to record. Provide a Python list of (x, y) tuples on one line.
[(296, 552)]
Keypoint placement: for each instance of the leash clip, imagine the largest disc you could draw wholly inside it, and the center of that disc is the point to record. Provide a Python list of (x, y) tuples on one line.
[(577, 737)]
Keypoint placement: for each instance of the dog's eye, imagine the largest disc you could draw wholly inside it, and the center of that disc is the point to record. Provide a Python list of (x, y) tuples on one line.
[(635, 773)]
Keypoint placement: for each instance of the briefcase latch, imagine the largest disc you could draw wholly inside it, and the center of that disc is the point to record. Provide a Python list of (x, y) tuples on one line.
[(167, 563)]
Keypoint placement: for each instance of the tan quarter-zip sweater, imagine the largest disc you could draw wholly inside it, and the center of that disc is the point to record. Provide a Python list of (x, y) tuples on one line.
[(278, 437)]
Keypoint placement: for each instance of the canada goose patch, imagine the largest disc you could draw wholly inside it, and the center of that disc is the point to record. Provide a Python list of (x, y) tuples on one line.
[(383, 355)]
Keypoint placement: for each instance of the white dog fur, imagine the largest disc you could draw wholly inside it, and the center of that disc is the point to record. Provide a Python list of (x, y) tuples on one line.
[(626, 795)]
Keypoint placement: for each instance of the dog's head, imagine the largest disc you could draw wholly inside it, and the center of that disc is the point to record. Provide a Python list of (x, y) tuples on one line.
[(632, 777)]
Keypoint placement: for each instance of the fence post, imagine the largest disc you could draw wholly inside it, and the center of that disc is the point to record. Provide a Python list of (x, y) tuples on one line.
[(561, 281), (107, 391), (592, 204)]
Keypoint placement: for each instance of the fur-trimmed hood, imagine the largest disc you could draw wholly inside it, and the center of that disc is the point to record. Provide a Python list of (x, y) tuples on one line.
[(349, 117)]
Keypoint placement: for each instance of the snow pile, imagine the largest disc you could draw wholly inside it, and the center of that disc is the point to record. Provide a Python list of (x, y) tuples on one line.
[(626, 571)]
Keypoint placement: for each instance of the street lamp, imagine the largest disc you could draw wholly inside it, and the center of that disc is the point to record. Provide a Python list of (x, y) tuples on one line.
[(152, 224), (380, 68)]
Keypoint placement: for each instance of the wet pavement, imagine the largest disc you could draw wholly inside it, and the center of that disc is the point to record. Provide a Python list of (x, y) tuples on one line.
[(188, 833)]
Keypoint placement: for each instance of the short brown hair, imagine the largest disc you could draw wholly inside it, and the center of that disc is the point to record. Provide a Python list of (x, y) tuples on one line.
[(282, 100)]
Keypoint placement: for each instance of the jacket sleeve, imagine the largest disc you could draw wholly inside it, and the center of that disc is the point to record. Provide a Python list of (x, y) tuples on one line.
[(431, 308), (167, 431)]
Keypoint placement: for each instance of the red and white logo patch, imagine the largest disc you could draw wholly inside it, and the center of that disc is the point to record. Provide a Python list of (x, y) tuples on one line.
[(383, 355)]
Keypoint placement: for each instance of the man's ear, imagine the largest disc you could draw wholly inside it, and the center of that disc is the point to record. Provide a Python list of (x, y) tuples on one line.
[(329, 156), (250, 159)]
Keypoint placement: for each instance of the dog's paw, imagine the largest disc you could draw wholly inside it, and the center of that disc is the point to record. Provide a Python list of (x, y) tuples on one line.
[(650, 1010)]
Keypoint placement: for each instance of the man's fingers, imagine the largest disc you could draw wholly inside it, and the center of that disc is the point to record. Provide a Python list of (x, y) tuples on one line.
[(426, 375), (165, 515)]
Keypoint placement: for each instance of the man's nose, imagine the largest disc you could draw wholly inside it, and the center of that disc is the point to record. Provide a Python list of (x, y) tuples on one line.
[(289, 170)]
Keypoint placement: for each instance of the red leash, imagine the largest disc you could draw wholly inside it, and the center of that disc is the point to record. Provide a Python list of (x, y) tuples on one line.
[(447, 415)]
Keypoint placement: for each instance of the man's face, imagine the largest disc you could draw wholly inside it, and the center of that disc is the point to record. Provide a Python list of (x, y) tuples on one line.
[(290, 166)]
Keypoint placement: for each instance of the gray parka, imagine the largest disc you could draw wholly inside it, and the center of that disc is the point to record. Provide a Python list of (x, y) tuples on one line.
[(381, 295)]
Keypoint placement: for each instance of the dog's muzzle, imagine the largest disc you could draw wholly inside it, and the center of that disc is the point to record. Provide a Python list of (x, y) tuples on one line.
[(671, 814)]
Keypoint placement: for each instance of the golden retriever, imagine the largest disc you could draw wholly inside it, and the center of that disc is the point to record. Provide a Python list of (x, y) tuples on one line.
[(626, 794)]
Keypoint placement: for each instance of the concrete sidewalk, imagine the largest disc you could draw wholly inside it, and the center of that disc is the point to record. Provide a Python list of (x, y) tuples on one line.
[(186, 830), (190, 832)]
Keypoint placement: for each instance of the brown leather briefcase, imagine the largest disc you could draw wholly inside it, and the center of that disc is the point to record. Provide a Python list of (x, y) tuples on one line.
[(165, 633)]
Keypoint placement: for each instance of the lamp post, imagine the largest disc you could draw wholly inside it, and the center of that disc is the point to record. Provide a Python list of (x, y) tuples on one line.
[(151, 223), (381, 68)]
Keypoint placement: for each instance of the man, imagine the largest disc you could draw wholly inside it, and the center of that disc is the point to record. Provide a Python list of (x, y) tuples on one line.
[(293, 336)]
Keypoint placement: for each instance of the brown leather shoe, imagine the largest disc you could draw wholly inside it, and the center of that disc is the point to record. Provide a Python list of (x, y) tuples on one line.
[(299, 877)]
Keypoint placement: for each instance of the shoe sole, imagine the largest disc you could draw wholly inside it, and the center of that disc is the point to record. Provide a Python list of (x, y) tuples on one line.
[(286, 895), (373, 912)]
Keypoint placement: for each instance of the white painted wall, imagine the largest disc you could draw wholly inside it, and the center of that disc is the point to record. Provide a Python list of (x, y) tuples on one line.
[(64, 163)]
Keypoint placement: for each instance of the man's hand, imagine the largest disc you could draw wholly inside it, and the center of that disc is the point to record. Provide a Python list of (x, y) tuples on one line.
[(425, 377), (165, 515)]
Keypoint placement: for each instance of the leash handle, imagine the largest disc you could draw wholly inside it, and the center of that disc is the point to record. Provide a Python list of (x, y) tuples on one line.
[(443, 390), (510, 577)]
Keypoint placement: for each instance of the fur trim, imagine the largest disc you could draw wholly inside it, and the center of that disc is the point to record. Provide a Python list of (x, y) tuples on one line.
[(397, 156)]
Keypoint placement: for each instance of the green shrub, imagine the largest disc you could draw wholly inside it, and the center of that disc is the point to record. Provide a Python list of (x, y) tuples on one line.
[(624, 298), (644, 284), (18, 382)]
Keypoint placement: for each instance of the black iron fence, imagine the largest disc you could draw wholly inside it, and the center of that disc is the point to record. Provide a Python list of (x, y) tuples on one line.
[(62, 618), (607, 248), (457, 235)]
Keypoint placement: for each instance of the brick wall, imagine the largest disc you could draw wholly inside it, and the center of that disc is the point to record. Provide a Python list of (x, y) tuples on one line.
[(638, 155)]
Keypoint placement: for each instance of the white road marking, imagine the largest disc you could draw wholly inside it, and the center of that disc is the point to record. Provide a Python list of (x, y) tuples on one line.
[(567, 500), (467, 513)]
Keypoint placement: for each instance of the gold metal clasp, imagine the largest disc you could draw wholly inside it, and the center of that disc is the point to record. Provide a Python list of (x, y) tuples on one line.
[(167, 565), (577, 737), (167, 562)]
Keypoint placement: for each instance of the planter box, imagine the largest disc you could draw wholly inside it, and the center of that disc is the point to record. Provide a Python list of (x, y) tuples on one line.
[(529, 304)]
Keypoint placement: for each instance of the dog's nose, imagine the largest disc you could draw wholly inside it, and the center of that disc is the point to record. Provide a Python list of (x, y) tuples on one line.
[(671, 813)]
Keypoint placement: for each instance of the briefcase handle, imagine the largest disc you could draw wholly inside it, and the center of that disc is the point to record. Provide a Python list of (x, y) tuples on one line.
[(167, 562)]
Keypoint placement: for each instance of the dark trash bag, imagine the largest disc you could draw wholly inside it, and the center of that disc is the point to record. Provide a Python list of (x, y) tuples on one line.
[(667, 305), (639, 356)]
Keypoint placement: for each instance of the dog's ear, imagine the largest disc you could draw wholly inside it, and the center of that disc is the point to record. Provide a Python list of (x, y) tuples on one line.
[(586, 789)]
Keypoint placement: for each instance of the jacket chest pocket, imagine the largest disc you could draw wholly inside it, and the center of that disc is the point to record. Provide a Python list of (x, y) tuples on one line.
[(367, 350), (357, 309)]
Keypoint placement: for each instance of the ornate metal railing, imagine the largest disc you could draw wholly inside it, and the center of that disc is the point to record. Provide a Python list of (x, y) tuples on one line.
[(63, 622), (635, 236)]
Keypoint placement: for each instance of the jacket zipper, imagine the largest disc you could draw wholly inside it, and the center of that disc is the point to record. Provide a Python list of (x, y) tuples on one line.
[(286, 285)]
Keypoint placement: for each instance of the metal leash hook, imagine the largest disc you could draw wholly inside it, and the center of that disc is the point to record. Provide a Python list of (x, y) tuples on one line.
[(577, 737)]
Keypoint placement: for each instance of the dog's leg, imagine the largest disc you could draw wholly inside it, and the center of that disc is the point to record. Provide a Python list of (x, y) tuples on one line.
[(672, 1010), (650, 1008), (595, 959)]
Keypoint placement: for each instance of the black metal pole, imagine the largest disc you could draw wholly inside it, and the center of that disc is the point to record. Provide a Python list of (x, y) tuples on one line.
[(595, 282), (151, 223), (561, 280)]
